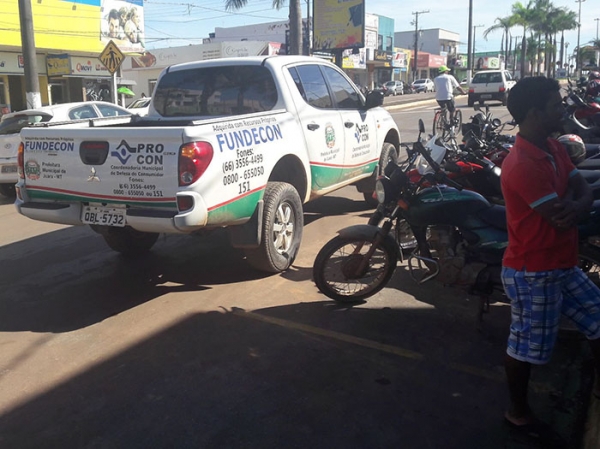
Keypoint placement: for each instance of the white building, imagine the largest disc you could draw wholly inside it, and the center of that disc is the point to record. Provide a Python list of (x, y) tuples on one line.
[(435, 41)]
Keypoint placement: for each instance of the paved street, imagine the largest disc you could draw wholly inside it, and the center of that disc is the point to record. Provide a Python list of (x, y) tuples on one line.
[(189, 347)]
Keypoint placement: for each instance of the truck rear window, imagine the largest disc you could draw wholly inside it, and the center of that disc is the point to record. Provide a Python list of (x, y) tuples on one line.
[(215, 91), (14, 124)]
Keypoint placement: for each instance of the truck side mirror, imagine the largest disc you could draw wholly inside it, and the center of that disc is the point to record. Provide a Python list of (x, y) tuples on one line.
[(374, 99)]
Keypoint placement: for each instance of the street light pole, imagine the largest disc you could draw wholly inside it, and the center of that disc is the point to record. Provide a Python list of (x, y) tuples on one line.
[(32, 83), (578, 60), (416, 14), (597, 20)]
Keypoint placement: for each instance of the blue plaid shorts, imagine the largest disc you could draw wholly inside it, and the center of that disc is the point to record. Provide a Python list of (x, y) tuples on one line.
[(537, 300)]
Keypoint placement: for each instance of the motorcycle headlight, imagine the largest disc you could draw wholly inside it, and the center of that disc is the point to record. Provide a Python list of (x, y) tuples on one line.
[(383, 189)]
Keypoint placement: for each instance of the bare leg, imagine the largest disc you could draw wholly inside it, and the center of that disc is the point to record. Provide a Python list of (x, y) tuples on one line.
[(517, 375)]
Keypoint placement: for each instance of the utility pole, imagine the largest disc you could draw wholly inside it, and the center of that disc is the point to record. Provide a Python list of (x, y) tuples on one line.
[(32, 83), (416, 14), (469, 45), (578, 60), (597, 20)]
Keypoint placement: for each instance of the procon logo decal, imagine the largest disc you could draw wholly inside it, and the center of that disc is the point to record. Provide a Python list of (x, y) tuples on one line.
[(145, 153)]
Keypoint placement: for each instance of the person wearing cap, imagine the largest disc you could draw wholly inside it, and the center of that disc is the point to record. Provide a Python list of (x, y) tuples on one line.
[(444, 88)]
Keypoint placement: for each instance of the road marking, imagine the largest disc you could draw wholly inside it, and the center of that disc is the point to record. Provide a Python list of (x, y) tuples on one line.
[(331, 334), (406, 353)]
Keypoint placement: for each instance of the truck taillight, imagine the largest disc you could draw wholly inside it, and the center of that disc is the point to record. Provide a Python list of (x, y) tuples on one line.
[(194, 158), (501, 89), (471, 90), (20, 160)]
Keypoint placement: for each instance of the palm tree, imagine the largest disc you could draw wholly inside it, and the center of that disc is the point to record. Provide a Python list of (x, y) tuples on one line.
[(524, 16), (504, 24), (295, 41), (565, 20)]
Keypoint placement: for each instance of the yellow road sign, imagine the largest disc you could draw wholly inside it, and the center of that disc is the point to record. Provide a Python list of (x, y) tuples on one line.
[(111, 57)]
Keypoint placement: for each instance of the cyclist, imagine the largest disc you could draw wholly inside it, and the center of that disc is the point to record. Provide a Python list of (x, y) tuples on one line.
[(444, 88)]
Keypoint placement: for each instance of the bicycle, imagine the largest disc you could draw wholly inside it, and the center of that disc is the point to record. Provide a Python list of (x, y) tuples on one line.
[(444, 126)]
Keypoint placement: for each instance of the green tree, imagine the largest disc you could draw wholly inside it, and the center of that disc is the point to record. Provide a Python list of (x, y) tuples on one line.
[(504, 24), (524, 16), (295, 39)]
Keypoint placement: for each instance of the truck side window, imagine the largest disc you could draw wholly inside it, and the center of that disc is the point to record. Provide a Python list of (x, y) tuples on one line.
[(313, 84), (345, 96)]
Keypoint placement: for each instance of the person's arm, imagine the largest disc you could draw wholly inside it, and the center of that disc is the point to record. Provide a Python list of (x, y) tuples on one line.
[(458, 86), (566, 212)]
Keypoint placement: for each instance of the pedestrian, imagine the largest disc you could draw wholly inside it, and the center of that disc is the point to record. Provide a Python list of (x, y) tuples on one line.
[(545, 196), (444, 88)]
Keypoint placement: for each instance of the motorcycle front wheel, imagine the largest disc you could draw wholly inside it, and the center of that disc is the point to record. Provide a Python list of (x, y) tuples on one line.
[(340, 274)]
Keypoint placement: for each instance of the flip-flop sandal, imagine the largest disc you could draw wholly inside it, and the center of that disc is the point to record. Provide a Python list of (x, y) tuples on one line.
[(539, 431)]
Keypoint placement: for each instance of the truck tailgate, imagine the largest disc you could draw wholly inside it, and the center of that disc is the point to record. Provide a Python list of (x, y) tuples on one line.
[(138, 166)]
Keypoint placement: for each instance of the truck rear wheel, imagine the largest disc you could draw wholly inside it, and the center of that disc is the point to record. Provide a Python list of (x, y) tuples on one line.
[(281, 233), (128, 241)]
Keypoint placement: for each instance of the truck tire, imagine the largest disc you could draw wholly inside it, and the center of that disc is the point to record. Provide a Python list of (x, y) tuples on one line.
[(470, 101), (8, 190), (128, 241), (281, 233), (504, 98), (389, 153)]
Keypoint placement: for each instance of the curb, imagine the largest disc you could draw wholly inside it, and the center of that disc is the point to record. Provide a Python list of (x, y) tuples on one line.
[(409, 104)]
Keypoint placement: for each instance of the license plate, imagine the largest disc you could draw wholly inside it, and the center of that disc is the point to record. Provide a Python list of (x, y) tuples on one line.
[(9, 168), (106, 216), (486, 96)]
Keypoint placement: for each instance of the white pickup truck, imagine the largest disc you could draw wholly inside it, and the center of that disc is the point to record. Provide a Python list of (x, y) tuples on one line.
[(239, 142)]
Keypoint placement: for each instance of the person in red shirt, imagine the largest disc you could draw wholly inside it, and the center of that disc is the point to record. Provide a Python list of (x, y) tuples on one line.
[(545, 196)]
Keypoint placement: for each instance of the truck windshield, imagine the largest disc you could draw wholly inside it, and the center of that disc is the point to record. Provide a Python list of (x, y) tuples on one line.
[(215, 91)]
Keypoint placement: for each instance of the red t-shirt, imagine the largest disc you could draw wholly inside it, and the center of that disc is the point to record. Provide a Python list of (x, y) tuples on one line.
[(530, 177)]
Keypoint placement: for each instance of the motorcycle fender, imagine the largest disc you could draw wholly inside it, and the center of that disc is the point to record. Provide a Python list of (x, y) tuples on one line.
[(368, 232)]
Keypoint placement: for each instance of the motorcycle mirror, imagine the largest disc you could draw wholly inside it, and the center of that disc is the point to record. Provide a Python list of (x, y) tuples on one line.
[(496, 123), (421, 126)]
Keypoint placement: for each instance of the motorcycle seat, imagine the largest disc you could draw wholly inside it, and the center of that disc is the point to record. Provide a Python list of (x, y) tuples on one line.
[(494, 216)]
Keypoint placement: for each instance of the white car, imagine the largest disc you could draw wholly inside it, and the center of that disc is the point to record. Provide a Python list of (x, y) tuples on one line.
[(140, 106), (423, 85), (12, 123)]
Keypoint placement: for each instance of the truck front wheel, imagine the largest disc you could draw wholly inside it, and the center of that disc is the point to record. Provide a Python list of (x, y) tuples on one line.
[(281, 233), (128, 241), (389, 153)]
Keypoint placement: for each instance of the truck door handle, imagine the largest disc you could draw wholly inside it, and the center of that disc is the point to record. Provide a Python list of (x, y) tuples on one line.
[(312, 126), (348, 124)]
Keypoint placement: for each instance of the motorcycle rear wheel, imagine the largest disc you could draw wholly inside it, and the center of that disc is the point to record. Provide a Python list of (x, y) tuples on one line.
[(335, 268)]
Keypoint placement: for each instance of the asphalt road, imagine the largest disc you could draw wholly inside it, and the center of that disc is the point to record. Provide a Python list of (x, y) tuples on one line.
[(189, 347)]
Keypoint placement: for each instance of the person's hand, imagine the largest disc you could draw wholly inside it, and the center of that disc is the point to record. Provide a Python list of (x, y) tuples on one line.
[(567, 214)]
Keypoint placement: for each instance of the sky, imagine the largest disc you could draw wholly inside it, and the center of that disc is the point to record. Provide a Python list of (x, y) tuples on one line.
[(171, 23)]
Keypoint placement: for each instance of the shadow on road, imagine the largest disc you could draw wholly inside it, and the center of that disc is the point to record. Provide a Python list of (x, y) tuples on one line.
[(304, 375), (69, 279)]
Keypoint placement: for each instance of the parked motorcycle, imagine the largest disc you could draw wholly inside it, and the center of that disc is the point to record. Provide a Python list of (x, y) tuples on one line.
[(460, 238)]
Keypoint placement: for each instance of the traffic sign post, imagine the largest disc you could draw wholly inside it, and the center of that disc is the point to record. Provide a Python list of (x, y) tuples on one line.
[(112, 58)]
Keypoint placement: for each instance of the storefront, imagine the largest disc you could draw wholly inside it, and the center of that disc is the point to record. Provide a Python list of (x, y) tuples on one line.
[(12, 81), (428, 65)]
